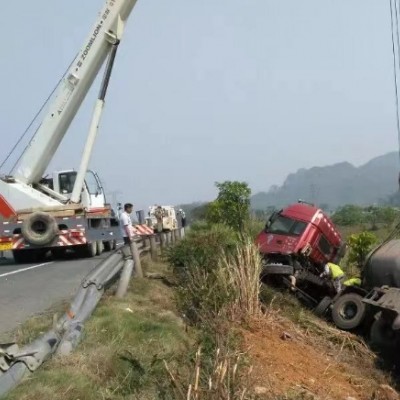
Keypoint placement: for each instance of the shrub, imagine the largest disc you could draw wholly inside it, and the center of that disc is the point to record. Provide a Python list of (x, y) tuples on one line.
[(202, 246), (225, 286), (360, 245)]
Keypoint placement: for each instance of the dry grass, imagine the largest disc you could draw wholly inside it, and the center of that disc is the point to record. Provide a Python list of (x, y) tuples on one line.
[(222, 381), (123, 351), (241, 273), (35, 326), (347, 348), (140, 348), (229, 291)]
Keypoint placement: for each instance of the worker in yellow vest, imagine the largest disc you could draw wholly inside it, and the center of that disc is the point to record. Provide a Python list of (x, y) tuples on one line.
[(335, 274)]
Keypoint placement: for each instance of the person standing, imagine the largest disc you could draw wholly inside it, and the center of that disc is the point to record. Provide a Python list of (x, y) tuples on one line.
[(126, 223)]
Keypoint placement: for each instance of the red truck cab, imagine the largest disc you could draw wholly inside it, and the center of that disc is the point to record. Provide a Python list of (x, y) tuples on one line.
[(301, 230)]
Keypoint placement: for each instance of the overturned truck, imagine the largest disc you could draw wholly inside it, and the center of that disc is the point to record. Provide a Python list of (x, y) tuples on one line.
[(295, 243)]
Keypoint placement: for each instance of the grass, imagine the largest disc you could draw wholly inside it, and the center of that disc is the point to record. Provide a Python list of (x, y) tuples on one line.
[(123, 352), (35, 326), (191, 342)]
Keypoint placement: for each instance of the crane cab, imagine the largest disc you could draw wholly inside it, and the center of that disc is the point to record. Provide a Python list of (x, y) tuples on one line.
[(63, 182)]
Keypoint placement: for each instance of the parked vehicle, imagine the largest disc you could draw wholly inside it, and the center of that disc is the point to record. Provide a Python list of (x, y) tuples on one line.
[(68, 209), (163, 218)]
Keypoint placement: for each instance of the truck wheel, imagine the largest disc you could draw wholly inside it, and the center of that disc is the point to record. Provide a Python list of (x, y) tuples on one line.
[(99, 247), (271, 269), (323, 307), (21, 256), (88, 250), (113, 244), (383, 337), (107, 245), (39, 228), (58, 253), (348, 311)]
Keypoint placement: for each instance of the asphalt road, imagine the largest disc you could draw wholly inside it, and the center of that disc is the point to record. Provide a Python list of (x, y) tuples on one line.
[(30, 289)]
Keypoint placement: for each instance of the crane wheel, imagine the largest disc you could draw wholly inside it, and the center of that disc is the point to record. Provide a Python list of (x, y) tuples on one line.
[(39, 228)]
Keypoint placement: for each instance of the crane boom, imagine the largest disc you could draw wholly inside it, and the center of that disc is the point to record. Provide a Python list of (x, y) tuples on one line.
[(107, 30)]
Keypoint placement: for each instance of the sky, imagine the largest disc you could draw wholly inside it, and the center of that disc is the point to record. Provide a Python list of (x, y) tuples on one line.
[(210, 90)]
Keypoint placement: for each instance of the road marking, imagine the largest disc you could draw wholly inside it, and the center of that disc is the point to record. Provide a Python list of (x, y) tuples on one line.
[(24, 269)]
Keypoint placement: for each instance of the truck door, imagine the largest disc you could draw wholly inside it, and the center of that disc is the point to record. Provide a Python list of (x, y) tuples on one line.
[(95, 190)]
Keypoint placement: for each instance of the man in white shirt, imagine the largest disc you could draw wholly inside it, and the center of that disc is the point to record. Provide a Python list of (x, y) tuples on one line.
[(126, 223)]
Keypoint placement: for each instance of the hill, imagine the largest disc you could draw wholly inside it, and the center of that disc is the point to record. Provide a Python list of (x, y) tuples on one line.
[(336, 185)]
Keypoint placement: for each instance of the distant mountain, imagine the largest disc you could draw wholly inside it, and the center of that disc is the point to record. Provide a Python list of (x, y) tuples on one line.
[(336, 185)]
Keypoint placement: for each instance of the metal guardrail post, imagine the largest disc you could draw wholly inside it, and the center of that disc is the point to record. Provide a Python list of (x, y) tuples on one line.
[(172, 233), (168, 238), (153, 248), (136, 260), (146, 241), (162, 242), (125, 278)]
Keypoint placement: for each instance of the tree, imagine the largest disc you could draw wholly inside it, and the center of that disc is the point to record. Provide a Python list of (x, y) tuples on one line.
[(348, 215), (199, 213), (232, 206), (360, 245)]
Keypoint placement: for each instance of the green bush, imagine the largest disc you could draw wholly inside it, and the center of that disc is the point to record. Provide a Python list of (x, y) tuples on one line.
[(202, 246), (348, 215), (232, 206), (216, 272), (360, 245), (253, 227)]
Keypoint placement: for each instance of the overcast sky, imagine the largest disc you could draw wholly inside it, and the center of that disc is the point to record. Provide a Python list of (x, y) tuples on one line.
[(210, 90)]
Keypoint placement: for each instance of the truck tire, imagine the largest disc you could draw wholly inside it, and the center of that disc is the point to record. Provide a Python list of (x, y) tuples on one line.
[(99, 247), (58, 253), (383, 338), (323, 307), (348, 311), (272, 269), (21, 256), (87, 250), (39, 228), (91, 249)]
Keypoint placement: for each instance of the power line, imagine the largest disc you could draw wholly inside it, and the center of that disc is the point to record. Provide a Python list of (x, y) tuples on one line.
[(32, 122), (395, 65)]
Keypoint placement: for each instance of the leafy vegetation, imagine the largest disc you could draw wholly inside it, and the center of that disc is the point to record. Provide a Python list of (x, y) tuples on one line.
[(351, 215), (360, 245), (232, 205)]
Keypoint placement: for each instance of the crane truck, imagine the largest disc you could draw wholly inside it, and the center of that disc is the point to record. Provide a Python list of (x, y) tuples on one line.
[(67, 209)]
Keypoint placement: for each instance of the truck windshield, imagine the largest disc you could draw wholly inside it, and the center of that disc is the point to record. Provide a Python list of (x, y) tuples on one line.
[(286, 226)]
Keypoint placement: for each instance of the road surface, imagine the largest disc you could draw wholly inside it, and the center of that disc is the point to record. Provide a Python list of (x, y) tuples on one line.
[(29, 289)]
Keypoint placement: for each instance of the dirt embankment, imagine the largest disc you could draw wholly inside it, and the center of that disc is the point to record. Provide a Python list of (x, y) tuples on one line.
[(290, 361)]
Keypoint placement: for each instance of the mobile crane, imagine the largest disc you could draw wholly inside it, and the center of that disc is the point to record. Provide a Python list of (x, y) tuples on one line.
[(67, 210)]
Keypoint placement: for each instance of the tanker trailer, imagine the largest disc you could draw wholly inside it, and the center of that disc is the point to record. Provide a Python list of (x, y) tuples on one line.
[(381, 276)]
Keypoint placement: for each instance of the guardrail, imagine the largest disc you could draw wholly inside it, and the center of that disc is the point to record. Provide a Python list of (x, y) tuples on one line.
[(16, 363)]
